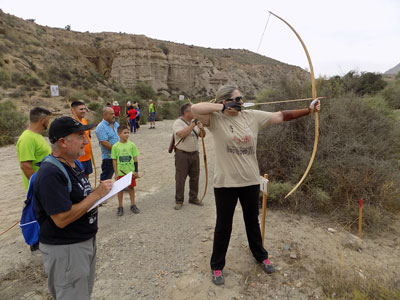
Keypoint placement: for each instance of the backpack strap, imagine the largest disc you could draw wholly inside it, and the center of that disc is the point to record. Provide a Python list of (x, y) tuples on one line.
[(54, 161), (183, 120)]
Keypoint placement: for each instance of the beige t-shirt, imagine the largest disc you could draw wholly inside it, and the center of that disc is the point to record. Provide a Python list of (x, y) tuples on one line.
[(235, 142), (190, 143)]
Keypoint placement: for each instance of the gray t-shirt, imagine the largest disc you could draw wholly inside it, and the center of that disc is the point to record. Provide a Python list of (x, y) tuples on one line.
[(235, 142)]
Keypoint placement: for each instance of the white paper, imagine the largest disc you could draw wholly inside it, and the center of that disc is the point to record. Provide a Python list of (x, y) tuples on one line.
[(118, 186), (263, 184)]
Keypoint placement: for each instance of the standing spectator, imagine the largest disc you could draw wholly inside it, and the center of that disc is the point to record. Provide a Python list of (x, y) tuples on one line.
[(107, 135), (139, 110), (237, 175), (124, 155), (132, 112), (117, 111), (187, 131), (31, 146), (80, 111), (152, 114), (67, 238)]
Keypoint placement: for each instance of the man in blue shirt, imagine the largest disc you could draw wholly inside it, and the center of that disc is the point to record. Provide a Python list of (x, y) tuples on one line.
[(107, 135)]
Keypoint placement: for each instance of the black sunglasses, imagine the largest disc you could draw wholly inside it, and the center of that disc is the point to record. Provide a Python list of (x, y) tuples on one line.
[(237, 99)]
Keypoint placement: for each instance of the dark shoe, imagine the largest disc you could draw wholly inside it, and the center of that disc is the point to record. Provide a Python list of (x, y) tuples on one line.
[(35, 247), (120, 211), (196, 202), (135, 209), (217, 277), (267, 267), (178, 206)]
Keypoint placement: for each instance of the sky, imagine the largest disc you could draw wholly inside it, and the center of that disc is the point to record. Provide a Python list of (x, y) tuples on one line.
[(341, 35)]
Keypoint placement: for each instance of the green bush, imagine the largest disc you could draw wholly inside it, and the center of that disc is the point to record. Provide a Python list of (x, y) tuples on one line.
[(144, 91), (357, 157), (391, 93), (4, 78), (94, 106), (12, 123)]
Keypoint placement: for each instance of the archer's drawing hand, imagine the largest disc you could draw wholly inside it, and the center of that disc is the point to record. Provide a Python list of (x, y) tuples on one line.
[(315, 105), (103, 188), (232, 105)]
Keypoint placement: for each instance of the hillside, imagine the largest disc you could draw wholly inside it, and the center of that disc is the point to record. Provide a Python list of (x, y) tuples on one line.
[(393, 71), (32, 57)]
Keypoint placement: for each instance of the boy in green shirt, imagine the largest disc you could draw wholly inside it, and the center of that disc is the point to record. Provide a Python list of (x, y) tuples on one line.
[(124, 155)]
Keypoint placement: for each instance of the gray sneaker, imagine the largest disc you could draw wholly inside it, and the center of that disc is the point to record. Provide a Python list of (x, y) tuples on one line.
[(135, 209), (178, 206), (120, 211), (217, 277), (196, 202), (267, 267)]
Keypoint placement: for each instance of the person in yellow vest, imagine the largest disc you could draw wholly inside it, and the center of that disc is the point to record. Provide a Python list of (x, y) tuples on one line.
[(31, 146), (79, 108)]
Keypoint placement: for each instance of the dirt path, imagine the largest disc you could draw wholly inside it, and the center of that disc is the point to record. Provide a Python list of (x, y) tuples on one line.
[(164, 254)]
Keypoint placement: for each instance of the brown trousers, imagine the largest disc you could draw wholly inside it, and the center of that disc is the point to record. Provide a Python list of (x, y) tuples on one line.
[(186, 164)]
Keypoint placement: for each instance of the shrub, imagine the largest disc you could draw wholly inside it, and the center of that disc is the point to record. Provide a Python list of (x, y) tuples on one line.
[(78, 95), (392, 94), (357, 157), (12, 123), (95, 106), (144, 91), (4, 78)]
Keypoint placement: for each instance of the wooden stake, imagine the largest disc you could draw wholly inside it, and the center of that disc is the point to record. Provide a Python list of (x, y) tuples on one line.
[(264, 211), (360, 218)]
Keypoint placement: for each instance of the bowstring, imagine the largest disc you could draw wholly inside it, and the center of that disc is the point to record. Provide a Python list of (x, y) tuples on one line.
[(262, 36)]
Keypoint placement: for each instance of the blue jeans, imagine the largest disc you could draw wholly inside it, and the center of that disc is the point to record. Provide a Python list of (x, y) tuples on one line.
[(107, 169), (133, 125)]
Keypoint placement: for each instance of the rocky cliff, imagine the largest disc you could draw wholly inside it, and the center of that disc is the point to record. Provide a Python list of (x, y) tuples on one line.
[(68, 58)]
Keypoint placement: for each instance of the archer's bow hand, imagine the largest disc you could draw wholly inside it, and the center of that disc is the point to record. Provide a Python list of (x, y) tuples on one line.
[(315, 105)]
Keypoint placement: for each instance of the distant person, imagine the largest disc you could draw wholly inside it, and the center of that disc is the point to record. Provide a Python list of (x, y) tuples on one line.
[(107, 135), (237, 175), (152, 114), (108, 104), (67, 238), (139, 114), (79, 108), (125, 159), (31, 146), (132, 112), (117, 110), (187, 163)]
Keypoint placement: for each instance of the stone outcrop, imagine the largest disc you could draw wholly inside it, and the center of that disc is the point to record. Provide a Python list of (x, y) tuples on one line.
[(170, 68)]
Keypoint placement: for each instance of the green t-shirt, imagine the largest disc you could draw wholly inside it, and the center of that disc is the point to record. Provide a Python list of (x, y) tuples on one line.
[(32, 147), (124, 153), (151, 108)]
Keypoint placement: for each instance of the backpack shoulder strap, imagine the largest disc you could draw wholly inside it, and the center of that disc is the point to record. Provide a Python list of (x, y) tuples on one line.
[(183, 120), (79, 164), (29, 194), (54, 161)]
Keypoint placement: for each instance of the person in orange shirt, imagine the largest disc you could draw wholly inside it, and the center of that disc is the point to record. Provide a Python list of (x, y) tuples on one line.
[(79, 108)]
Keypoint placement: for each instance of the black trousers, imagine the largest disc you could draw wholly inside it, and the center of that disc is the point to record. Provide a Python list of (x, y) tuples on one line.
[(225, 201)]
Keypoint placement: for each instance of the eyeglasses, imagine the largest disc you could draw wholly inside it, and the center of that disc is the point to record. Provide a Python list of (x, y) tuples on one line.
[(237, 99)]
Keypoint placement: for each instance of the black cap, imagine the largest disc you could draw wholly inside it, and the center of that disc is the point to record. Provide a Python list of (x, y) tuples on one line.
[(63, 126)]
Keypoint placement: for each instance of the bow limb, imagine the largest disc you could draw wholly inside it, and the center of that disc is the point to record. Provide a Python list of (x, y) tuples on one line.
[(205, 163), (314, 96), (90, 144)]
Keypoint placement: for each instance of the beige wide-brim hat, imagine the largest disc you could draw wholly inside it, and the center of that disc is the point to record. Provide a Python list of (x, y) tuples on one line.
[(115, 103)]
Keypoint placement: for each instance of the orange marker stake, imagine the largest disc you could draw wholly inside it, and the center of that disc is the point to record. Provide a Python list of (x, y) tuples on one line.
[(360, 218)]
